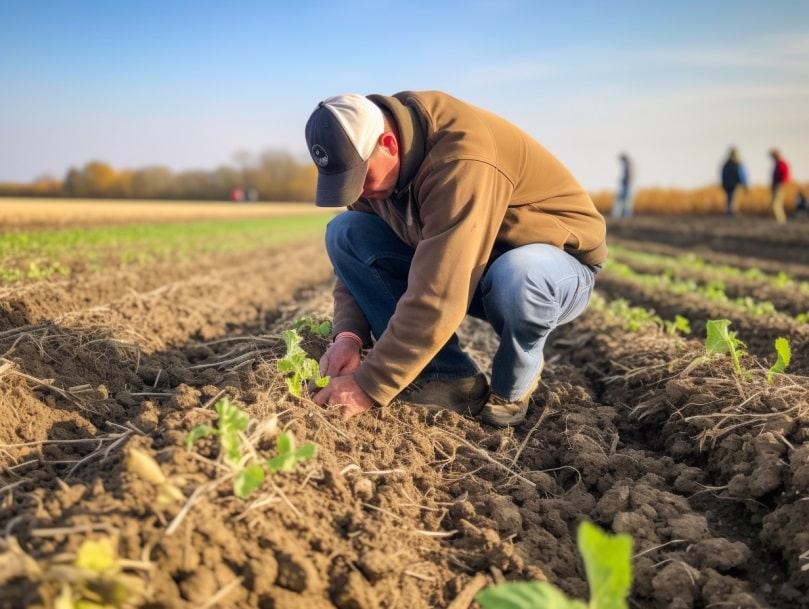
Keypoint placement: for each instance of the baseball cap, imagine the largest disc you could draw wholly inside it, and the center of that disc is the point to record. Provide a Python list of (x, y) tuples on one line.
[(341, 134)]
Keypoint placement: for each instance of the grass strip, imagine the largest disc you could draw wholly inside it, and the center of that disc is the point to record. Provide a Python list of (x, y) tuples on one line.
[(33, 255)]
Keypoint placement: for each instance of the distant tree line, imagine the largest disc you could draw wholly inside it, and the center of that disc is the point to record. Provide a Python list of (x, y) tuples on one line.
[(270, 176)]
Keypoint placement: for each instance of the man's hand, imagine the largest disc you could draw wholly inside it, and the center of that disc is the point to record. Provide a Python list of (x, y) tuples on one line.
[(342, 357), (344, 394), (339, 362)]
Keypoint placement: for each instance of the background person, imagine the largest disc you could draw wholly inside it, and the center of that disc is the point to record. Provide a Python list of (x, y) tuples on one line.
[(622, 205), (780, 178), (801, 204), (733, 176), (452, 210)]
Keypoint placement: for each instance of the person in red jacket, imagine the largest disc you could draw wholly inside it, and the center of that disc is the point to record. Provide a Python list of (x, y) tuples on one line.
[(780, 178)]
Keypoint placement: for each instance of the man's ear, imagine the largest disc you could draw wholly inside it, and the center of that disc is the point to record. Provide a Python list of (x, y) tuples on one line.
[(388, 141)]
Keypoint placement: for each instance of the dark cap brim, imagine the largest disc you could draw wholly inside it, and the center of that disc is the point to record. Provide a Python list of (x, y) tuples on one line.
[(340, 189)]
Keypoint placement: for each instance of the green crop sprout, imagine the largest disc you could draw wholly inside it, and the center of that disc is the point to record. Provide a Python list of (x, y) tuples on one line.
[(607, 563), (784, 355), (238, 453), (634, 318), (318, 328), (288, 454), (299, 367), (720, 339), (680, 324)]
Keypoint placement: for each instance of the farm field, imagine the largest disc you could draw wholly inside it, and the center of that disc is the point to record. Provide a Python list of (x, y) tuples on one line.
[(632, 428)]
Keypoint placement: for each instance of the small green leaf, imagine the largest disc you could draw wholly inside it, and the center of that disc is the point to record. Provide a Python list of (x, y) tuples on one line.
[(201, 431), (292, 340), (231, 417), (720, 340), (247, 480), (784, 356), (716, 340), (526, 595), (280, 463), (288, 456), (608, 563), (231, 448), (285, 365), (285, 442), (294, 385), (307, 451)]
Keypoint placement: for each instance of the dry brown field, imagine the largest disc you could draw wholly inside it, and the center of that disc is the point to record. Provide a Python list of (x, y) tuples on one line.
[(33, 213), (708, 470)]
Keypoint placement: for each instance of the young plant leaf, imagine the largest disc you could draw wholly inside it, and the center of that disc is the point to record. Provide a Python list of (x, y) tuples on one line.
[(231, 417), (232, 420), (526, 595), (298, 365), (716, 339), (784, 356), (200, 431), (288, 456), (608, 562), (719, 339), (247, 480), (680, 324)]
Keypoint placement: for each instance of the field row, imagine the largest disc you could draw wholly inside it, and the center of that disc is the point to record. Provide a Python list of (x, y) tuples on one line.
[(634, 428)]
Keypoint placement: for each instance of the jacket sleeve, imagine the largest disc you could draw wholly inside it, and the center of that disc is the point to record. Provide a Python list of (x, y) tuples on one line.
[(348, 317), (462, 205)]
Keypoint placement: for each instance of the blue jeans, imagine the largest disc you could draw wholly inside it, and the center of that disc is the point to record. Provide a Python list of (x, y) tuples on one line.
[(524, 294), (622, 205)]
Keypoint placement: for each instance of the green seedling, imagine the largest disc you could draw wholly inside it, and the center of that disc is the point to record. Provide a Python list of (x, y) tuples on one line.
[(238, 453), (635, 318), (720, 339), (299, 367), (607, 563), (680, 324), (784, 355), (317, 328), (288, 455), (233, 422)]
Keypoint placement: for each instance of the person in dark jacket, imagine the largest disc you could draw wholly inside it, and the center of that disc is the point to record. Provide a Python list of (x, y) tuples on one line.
[(734, 178), (451, 211), (622, 205), (801, 204)]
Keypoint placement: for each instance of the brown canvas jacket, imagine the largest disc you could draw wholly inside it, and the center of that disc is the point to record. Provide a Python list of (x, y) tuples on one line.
[(471, 186)]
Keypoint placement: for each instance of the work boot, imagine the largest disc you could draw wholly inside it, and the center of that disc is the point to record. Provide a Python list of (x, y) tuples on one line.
[(465, 395), (502, 413)]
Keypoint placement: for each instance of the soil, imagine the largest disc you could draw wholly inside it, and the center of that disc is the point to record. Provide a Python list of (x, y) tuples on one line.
[(633, 430)]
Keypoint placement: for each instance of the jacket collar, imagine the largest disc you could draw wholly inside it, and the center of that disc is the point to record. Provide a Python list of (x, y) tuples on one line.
[(411, 137)]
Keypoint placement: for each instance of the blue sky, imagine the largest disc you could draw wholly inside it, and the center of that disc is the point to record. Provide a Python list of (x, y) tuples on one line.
[(187, 85)]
